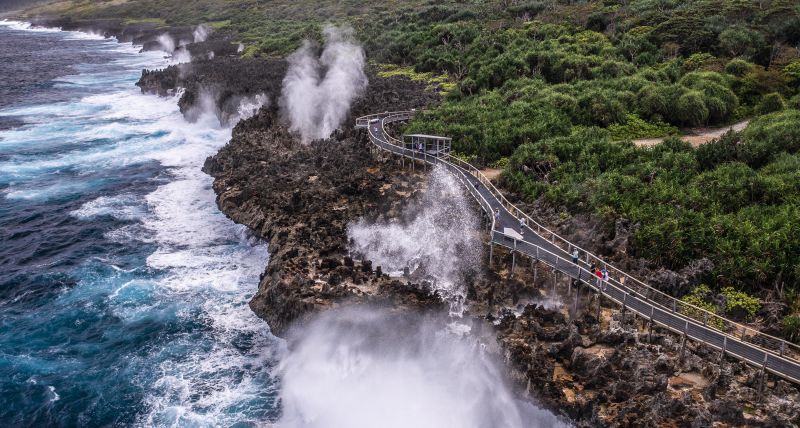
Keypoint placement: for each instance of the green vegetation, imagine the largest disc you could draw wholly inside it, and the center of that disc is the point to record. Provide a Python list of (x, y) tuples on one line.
[(441, 82), (635, 127), (740, 305), (700, 298), (737, 304), (734, 201)]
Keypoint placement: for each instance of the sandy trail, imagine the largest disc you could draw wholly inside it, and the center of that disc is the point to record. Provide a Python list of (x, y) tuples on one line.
[(696, 136)]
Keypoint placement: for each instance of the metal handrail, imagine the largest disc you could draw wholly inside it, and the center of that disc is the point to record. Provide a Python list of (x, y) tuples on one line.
[(649, 293), (623, 289)]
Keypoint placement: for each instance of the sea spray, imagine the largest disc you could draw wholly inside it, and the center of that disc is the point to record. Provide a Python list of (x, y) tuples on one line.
[(201, 33), (317, 92), (233, 109), (167, 43), (436, 237), (369, 367), (249, 106)]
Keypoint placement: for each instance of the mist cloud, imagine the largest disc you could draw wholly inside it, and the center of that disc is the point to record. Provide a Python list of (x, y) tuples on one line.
[(201, 33), (318, 91), (437, 238), (366, 368), (167, 43)]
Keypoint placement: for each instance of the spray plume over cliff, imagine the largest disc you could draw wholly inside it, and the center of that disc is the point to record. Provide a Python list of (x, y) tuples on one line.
[(435, 240), (318, 91), (364, 367)]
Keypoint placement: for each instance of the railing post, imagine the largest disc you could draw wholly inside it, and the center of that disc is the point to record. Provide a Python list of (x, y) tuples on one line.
[(624, 302), (762, 379), (599, 298), (783, 345), (705, 318), (650, 332), (724, 348), (491, 249), (674, 304), (513, 259), (683, 342)]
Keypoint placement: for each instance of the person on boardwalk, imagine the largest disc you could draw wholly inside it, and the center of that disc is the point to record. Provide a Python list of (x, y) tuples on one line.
[(599, 274), (522, 226), (575, 256), (497, 218), (605, 278)]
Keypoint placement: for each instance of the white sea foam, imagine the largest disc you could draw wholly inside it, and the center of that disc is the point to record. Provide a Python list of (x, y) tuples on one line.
[(122, 207), (202, 268), (27, 26)]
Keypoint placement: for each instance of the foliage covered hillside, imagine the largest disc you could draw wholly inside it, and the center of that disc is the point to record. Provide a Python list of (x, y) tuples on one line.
[(557, 94)]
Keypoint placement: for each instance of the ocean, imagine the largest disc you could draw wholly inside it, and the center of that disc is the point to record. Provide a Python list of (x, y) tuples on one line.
[(123, 290)]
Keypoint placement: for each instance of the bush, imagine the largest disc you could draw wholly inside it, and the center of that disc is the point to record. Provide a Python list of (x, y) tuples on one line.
[(769, 135), (740, 305), (692, 109), (771, 103), (794, 102), (792, 72), (718, 151), (700, 297), (738, 67), (790, 325), (635, 127)]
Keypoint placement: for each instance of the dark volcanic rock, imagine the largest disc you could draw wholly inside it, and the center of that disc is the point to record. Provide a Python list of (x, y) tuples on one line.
[(225, 80), (302, 197)]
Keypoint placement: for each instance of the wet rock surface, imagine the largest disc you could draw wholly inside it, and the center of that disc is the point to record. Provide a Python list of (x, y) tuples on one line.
[(222, 82)]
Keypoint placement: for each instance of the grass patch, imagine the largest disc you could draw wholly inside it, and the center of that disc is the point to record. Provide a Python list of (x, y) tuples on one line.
[(436, 82), (636, 127), (159, 22)]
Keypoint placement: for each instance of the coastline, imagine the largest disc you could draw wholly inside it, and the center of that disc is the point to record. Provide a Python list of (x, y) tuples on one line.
[(284, 194)]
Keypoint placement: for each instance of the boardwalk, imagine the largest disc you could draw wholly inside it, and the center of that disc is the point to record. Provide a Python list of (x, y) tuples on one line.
[(766, 352)]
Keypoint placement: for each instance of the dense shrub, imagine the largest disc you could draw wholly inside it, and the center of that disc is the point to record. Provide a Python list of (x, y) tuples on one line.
[(771, 103), (733, 200), (738, 67), (739, 304)]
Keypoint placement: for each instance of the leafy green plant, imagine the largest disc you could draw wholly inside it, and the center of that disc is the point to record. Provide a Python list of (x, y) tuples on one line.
[(699, 299), (635, 127), (740, 304), (771, 103), (790, 326)]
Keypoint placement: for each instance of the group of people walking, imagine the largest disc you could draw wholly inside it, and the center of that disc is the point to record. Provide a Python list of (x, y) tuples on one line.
[(600, 273)]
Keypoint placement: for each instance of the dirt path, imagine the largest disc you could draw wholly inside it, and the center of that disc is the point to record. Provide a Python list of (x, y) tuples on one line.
[(492, 173), (696, 136)]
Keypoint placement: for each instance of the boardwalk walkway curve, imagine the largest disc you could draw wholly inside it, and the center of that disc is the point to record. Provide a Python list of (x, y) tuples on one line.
[(769, 353)]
